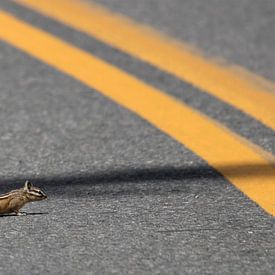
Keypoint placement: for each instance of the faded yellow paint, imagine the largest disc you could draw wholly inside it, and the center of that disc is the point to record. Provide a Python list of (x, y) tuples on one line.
[(231, 84), (244, 165)]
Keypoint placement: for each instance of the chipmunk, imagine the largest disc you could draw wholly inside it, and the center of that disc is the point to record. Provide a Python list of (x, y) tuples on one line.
[(16, 199)]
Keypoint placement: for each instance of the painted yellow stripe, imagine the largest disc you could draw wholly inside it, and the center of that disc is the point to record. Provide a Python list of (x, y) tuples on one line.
[(222, 149), (232, 85)]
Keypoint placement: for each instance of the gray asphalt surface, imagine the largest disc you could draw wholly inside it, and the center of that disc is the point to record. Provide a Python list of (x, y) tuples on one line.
[(124, 198), (239, 31)]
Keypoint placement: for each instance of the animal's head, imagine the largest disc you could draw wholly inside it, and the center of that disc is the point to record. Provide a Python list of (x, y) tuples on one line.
[(33, 193)]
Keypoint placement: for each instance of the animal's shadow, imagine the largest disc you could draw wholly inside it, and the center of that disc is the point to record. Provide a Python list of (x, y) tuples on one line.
[(25, 214)]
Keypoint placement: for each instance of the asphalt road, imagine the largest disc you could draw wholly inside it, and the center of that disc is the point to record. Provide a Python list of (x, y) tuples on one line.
[(124, 197), (241, 32)]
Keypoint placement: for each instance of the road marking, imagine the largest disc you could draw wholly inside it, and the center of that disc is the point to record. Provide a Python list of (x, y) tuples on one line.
[(222, 149), (234, 86)]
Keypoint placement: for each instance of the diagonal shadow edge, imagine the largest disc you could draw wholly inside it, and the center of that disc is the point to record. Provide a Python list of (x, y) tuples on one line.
[(152, 177)]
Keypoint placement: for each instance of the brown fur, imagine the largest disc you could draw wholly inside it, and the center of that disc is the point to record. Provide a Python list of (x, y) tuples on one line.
[(13, 201)]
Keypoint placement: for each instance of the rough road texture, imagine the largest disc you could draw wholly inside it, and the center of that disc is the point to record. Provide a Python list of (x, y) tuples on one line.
[(125, 198)]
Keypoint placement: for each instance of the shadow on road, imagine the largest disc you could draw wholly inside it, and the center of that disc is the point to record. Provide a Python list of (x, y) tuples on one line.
[(150, 178), (26, 214)]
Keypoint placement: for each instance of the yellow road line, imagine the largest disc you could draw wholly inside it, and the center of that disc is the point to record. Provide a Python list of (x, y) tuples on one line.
[(234, 86), (214, 143)]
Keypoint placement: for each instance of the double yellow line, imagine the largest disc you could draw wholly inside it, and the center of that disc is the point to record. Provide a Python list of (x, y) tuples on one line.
[(166, 54), (243, 164)]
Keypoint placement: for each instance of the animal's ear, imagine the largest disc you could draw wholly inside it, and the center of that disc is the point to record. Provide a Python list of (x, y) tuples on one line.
[(27, 186)]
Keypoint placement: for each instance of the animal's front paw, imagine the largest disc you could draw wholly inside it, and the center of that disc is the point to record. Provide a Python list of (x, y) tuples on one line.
[(21, 213)]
